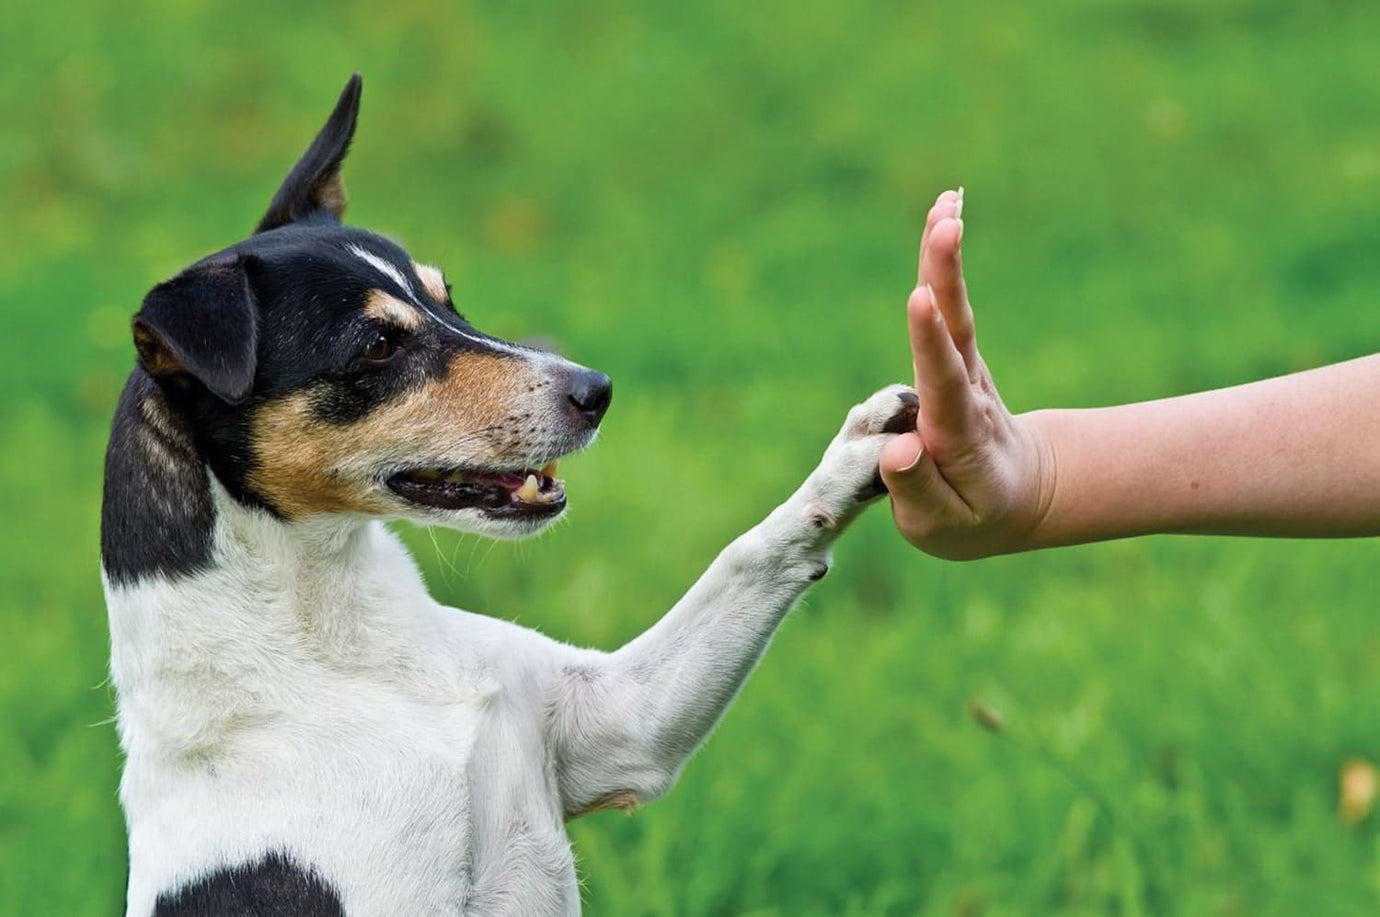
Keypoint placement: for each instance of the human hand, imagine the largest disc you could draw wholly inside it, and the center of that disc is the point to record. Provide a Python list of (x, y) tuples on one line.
[(972, 480)]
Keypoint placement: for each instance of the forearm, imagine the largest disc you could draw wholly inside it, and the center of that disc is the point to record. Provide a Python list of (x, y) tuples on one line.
[(1295, 456), (622, 725), (691, 663), (627, 722)]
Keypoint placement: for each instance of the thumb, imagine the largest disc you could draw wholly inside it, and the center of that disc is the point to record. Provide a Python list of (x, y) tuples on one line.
[(921, 499), (908, 471)]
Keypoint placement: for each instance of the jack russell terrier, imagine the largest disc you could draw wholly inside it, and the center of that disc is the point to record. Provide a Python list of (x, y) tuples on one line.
[(305, 730)]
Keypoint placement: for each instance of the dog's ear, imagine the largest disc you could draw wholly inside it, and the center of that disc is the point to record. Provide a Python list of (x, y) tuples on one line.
[(313, 189), (204, 323)]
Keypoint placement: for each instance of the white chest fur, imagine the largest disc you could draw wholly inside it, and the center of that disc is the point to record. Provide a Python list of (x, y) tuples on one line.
[(303, 694), (306, 695)]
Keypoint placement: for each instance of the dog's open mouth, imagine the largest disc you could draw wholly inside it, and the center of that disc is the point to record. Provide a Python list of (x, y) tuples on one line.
[(526, 492)]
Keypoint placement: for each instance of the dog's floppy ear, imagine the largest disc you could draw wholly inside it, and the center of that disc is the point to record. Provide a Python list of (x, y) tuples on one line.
[(313, 189), (204, 323)]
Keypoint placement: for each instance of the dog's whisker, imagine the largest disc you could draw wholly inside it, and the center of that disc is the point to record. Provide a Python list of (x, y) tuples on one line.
[(446, 569)]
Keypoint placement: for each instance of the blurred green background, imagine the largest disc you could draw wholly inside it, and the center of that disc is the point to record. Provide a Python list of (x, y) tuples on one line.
[(718, 204)]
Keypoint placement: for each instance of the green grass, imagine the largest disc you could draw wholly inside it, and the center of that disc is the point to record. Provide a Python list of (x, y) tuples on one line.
[(718, 204)]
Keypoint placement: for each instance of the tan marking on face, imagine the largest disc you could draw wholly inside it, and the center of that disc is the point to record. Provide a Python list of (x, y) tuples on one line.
[(433, 281), (153, 353), (626, 800), (305, 466), (391, 310), (331, 194)]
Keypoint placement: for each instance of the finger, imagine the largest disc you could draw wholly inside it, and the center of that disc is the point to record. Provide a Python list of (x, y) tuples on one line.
[(944, 269), (941, 378), (919, 493), (944, 205), (908, 471)]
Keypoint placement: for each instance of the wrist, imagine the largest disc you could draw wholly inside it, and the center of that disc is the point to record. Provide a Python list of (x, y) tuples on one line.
[(1039, 429)]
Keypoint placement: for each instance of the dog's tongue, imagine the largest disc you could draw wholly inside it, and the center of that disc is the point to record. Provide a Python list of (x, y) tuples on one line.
[(508, 480)]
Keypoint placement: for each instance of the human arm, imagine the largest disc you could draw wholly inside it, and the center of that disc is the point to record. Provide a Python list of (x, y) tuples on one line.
[(1293, 456)]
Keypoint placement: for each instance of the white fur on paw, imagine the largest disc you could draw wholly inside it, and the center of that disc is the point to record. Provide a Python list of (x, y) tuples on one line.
[(847, 475), (885, 411)]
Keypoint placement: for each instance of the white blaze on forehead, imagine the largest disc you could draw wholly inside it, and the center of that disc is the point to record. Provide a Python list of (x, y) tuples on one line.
[(386, 269)]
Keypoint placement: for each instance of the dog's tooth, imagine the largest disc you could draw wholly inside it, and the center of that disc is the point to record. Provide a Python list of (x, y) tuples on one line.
[(529, 490), (455, 477), (427, 474), (549, 469), (553, 493)]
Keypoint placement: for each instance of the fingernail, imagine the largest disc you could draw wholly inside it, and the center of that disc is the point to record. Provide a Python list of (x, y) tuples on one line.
[(919, 454), (958, 208), (959, 241), (935, 315)]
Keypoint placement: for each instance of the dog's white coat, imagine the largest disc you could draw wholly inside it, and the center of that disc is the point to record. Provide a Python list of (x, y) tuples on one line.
[(307, 695)]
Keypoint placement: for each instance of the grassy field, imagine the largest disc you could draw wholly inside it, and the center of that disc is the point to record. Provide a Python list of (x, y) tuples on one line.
[(717, 204)]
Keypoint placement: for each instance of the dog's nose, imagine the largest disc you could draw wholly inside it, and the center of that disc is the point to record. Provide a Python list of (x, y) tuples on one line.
[(591, 393)]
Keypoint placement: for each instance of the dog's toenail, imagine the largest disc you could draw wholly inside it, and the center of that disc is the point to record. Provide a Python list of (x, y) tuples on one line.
[(910, 399), (819, 572)]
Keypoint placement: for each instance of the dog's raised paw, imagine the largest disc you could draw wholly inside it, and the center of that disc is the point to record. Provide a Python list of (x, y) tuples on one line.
[(891, 410), (847, 475), (903, 421)]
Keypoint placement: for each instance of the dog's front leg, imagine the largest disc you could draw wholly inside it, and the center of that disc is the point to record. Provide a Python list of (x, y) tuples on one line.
[(623, 724)]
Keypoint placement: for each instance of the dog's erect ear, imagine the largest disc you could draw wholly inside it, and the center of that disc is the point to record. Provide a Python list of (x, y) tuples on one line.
[(313, 189), (203, 323)]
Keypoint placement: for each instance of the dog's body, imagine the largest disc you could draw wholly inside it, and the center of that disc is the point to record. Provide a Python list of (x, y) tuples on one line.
[(306, 731)]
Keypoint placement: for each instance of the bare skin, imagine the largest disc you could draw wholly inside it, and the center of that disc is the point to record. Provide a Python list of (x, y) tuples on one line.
[(1294, 456)]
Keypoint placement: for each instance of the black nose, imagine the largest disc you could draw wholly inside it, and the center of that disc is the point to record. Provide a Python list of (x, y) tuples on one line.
[(591, 393)]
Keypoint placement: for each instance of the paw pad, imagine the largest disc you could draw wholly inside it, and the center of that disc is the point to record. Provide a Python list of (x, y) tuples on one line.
[(903, 421)]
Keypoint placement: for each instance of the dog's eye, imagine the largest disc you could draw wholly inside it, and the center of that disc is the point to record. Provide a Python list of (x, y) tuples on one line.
[(380, 348)]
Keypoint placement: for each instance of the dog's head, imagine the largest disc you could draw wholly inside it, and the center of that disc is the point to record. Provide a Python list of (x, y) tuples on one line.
[(322, 370)]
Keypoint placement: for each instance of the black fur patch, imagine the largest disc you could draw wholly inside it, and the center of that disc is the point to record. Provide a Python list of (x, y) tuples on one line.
[(202, 323), (156, 515), (312, 189), (273, 887)]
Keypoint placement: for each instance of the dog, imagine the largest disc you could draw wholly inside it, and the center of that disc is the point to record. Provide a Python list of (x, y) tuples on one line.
[(305, 730)]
